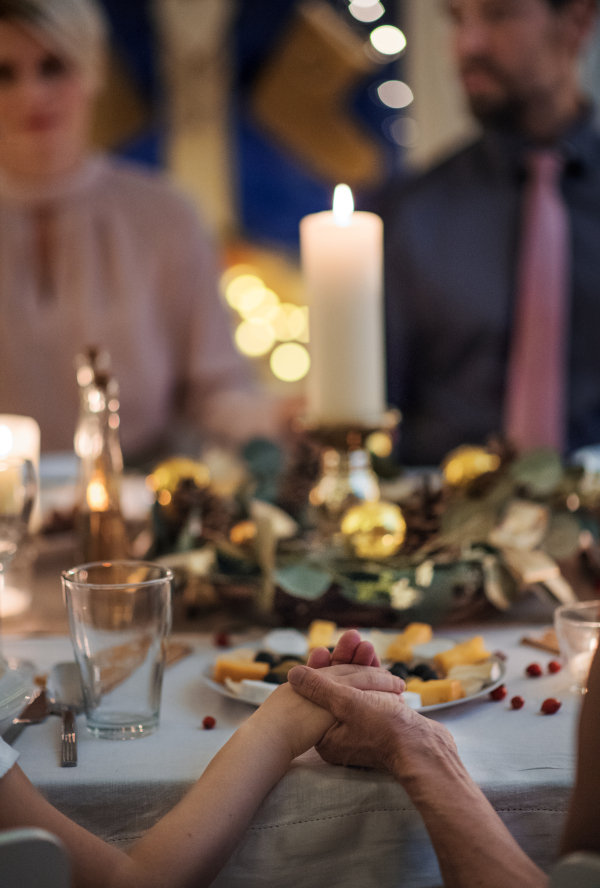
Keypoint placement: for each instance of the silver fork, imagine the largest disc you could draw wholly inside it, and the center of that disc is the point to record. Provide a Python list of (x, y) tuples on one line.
[(68, 740), (65, 699)]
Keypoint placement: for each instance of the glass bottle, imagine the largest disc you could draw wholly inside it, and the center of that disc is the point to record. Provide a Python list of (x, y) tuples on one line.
[(101, 526)]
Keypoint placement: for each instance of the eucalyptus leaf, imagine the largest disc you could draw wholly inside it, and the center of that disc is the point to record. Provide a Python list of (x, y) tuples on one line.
[(468, 521), (562, 539), (539, 471), (303, 580)]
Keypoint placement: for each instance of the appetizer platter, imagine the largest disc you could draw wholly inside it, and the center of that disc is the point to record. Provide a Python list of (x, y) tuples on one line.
[(439, 672)]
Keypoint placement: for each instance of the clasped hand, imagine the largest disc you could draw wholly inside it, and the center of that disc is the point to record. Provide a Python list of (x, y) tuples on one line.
[(370, 728)]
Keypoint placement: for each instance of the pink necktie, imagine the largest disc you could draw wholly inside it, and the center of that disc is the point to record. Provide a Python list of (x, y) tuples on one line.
[(535, 406)]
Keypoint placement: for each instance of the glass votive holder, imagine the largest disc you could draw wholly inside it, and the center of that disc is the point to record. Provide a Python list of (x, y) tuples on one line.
[(577, 630)]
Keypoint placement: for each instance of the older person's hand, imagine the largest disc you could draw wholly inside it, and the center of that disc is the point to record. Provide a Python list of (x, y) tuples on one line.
[(372, 729), (378, 730)]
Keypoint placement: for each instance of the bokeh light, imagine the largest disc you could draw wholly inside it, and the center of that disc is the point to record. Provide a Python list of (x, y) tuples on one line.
[(395, 94), (258, 303), (290, 362), (239, 288), (404, 131), (388, 40), (366, 13), (255, 337), (365, 3), (380, 443), (290, 322)]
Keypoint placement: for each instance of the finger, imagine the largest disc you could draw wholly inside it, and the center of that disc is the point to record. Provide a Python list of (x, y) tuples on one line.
[(364, 653), (346, 647), (313, 684), (373, 680), (319, 658)]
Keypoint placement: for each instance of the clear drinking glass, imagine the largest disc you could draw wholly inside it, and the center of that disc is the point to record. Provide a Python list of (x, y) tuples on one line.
[(18, 492), (120, 617), (578, 629)]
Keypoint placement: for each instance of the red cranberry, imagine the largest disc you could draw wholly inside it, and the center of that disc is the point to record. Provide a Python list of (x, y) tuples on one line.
[(534, 670), (550, 706), (208, 723), (554, 666), (222, 640), (517, 702), (499, 693)]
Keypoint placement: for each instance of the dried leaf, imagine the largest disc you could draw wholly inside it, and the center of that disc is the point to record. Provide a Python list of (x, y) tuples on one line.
[(499, 586), (523, 526)]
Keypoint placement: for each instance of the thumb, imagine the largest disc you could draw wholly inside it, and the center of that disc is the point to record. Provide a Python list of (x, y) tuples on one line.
[(321, 690)]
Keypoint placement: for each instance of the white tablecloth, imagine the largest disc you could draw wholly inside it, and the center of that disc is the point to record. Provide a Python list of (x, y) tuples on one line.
[(321, 825)]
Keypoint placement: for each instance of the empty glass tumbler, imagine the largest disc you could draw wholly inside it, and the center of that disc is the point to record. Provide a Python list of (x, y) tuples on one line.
[(577, 630), (120, 617)]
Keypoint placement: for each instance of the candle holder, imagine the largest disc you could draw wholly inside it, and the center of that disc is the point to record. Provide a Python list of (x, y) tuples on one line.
[(346, 476)]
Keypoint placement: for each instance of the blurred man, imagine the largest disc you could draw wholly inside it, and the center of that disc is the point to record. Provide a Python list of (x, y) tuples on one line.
[(493, 257)]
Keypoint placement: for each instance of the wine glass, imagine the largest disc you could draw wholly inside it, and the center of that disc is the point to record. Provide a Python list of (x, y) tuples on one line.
[(18, 492)]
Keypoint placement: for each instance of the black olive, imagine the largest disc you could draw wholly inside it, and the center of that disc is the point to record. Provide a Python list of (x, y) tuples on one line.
[(292, 658), (401, 670), (275, 678), (424, 671), (266, 657)]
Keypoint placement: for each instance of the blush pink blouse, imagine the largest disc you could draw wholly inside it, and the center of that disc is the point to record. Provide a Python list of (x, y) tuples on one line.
[(131, 270)]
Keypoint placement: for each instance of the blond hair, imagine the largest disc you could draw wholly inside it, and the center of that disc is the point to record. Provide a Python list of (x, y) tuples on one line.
[(76, 28)]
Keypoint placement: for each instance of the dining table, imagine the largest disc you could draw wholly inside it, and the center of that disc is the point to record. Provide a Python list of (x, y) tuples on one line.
[(322, 824)]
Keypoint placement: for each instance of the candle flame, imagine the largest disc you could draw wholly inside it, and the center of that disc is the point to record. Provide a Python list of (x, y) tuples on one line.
[(97, 495), (343, 205)]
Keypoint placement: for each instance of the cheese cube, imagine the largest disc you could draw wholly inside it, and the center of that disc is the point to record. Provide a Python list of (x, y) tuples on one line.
[(320, 633), (412, 700), (471, 651), (401, 648), (442, 690), (238, 670)]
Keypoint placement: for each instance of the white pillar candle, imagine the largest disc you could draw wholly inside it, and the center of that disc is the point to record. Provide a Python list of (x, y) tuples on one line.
[(20, 436), (342, 261)]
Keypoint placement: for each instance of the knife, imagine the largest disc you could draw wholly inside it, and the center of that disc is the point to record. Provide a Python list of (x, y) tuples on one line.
[(35, 712)]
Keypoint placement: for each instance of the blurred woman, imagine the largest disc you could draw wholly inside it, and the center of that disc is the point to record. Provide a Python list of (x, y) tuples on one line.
[(94, 251)]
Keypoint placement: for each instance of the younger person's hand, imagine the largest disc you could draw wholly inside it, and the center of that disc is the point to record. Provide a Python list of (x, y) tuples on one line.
[(301, 724), (349, 649)]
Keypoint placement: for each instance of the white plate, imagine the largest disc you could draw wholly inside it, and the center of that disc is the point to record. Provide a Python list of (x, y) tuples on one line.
[(225, 692)]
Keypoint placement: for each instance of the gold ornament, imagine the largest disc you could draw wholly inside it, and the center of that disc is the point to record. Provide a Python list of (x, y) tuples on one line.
[(374, 530), (466, 463), (242, 532), (167, 476)]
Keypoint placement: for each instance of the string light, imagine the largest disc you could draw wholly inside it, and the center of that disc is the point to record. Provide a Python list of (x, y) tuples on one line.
[(255, 337), (366, 14), (290, 362), (240, 286), (404, 131), (388, 40), (395, 94)]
